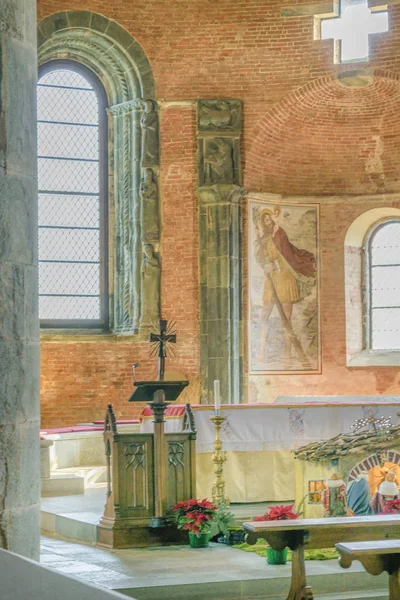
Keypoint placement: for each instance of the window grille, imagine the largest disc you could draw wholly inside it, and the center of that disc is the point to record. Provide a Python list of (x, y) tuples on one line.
[(384, 287), (315, 489), (72, 207)]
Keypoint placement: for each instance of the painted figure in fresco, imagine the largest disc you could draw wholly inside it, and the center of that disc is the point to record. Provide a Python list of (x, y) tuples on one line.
[(289, 272), (334, 497), (358, 496), (387, 490)]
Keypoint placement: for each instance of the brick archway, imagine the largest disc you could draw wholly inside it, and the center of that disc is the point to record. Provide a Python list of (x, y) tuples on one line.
[(373, 461)]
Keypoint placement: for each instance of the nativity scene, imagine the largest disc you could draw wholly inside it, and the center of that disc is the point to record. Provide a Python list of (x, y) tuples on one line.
[(200, 316)]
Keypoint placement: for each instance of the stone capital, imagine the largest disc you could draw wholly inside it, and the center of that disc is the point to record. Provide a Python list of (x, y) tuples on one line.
[(125, 107), (221, 194)]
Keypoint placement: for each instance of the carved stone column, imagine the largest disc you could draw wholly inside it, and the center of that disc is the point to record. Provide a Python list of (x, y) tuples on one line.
[(19, 326), (127, 260), (219, 127), (150, 222), (137, 229)]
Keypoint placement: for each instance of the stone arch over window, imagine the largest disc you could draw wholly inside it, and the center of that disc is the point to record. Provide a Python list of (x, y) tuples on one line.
[(107, 49), (358, 349)]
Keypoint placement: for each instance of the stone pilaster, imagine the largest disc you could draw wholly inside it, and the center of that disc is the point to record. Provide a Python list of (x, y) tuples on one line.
[(149, 215), (221, 292), (19, 328), (219, 124)]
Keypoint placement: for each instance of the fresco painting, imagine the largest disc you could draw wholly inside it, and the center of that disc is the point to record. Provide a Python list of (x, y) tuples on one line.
[(284, 331)]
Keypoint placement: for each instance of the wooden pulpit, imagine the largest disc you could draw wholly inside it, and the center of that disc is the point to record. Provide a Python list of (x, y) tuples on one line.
[(147, 474)]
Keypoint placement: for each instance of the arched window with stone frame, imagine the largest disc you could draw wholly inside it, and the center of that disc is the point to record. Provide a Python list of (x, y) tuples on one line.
[(111, 54), (372, 287), (72, 197)]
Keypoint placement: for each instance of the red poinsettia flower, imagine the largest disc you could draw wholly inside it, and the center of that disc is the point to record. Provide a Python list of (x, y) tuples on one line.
[(278, 513), (195, 515)]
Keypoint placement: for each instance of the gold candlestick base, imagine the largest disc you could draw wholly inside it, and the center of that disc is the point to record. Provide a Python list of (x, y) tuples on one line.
[(218, 458)]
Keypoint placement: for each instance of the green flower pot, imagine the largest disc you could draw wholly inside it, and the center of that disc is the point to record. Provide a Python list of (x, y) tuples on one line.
[(199, 541), (276, 557)]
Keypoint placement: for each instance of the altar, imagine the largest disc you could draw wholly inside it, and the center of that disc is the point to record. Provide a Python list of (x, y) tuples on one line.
[(259, 439)]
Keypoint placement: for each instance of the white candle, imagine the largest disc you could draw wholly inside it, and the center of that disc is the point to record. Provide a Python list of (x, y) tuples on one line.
[(217, 399)]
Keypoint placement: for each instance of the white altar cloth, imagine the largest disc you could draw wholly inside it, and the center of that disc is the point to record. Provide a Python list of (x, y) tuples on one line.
[(259, 440)]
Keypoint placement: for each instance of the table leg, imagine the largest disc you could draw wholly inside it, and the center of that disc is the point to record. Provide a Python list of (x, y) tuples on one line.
[(394, 585), (299, 590)]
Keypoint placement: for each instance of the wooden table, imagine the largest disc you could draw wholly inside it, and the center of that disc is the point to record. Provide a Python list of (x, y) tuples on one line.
[(375, 557), (319, 533)]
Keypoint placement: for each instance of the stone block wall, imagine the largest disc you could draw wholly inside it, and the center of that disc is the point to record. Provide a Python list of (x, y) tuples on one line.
[(305, 133)]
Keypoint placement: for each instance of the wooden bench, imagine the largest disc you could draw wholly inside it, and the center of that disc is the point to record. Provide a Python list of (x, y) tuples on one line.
[(319, 533), (375, 557)]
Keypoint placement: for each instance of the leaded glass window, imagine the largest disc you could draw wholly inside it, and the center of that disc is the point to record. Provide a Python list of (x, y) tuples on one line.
[(72, 199), (384, 287)]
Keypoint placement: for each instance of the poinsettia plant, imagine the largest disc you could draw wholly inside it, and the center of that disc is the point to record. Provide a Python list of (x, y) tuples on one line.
[(392, 507), (278, 513), (195, 515)]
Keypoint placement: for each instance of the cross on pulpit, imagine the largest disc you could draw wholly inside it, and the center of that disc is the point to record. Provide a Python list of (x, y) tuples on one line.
[(159, 341), (352, 27)]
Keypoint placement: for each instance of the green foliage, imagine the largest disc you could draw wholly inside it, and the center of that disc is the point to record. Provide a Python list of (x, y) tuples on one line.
[(260, 546), (224, 518)]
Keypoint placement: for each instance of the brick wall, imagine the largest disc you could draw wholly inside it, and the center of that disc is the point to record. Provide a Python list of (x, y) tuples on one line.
[(304, 133)]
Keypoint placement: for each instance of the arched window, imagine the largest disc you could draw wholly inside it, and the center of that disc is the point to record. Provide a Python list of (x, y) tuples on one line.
[(72, 181), (98, 50), (372, 285), (383, 287)]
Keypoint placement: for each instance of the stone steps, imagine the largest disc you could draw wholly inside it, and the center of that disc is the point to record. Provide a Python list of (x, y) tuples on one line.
[(81, 528), (92, 475), (248, 590)]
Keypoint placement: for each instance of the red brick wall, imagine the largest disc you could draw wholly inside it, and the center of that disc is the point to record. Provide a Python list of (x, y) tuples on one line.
[(303, 134), (328, 138)]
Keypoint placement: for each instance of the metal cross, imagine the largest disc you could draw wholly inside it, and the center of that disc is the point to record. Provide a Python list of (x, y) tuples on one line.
[(160, 341)]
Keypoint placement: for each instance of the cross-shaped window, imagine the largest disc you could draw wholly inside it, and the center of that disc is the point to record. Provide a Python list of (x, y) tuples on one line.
[(351, 29)]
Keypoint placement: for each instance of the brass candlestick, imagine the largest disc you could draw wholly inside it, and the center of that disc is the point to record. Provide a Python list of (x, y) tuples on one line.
[(218, 458)]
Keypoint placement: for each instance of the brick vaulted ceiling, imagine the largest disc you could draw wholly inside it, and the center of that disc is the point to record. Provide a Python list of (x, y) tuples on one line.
[(329, 136)]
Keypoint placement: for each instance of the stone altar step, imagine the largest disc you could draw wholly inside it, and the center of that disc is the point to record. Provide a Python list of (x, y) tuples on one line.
[(92, 476), (374, 595), (75, 517), (62, 484), (251, 591)]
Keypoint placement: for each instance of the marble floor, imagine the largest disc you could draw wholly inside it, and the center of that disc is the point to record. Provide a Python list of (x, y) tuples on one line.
[(180, 572), (217, 572)]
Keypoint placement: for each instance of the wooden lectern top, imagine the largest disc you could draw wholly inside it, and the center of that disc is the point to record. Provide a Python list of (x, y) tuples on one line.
[(145, 390)]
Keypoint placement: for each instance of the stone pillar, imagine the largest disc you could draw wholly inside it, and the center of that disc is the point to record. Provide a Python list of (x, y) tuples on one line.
[(19, 330), (219, 124), (221, 347)]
